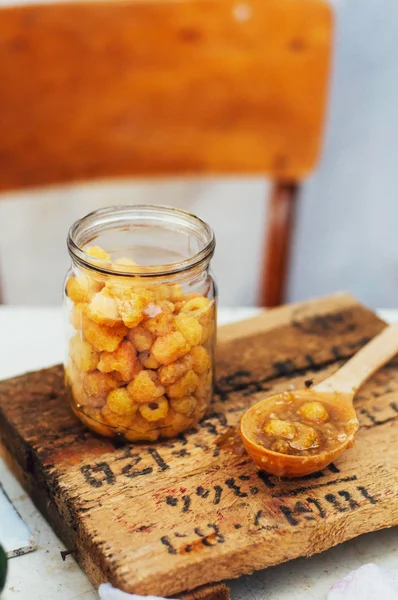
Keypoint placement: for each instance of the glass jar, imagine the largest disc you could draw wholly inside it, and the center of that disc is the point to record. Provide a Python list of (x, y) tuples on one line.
[(140, 302)]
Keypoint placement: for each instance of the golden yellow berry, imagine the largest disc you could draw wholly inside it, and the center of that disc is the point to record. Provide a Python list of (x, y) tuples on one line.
[(147, 360), (200, 410), (118, 285), (141, 430), (179, 303), (206, 315), (145, 387), (137, 369), (306, 437), (205, 385), (195, 304), (141, 338), (155, 410), (129, 289), (72, 373), (168, 374), (120, 401), (162, 292), (170, 347), (77, 314), (103, 309), (189, 327), (313, 411), (122, 360), (99, 384), (280, 446), (118, 420), (185, 405), (279, 428), (166, 306), (130, 305), (84, 355), (207, 332), (174, 423), (80, 396), (160, 324), (97, 252), (77, 291), (146, 295), (102, 337), (184, 386), (202, 309), (175, 293), (81, 288), (93, 420), (201, 359)]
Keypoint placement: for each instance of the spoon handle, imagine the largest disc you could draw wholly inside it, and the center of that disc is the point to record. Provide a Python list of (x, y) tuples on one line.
[(365, 362)]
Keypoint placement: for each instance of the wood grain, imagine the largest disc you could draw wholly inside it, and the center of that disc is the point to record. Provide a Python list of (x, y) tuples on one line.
[(216, 591), (164, 518), (161, 87)]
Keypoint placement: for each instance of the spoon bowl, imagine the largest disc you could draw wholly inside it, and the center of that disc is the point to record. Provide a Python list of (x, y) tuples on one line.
[(288, 465), (337, 391)]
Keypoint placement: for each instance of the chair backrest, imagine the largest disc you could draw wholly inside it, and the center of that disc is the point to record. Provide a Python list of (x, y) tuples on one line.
[(161, 87)]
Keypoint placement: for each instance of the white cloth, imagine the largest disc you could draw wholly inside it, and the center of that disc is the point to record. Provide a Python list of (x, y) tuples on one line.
[(107, 592), (366, 583)]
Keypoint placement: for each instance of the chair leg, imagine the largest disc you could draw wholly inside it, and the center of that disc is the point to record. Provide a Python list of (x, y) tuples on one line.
[(1, 289), (281, 213)]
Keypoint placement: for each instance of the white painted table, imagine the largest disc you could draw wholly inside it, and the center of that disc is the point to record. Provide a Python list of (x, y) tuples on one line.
[(32, 338)]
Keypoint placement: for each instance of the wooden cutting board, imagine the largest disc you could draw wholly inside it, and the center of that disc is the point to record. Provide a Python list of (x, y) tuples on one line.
[(163, 518)]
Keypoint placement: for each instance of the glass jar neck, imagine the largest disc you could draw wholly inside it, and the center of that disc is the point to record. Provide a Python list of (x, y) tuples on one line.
[(166, 243)]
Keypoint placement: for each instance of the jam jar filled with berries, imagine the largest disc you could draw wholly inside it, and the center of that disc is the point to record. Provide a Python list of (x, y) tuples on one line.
[(140, 302)]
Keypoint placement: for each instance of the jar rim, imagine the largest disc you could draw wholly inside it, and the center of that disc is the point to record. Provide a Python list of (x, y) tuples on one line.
[(94, 222)]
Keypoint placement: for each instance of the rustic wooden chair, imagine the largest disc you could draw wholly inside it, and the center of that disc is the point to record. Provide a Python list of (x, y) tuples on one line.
[(164, 87)]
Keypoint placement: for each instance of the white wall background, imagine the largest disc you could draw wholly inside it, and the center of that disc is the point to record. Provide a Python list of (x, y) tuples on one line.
[(347, 229)]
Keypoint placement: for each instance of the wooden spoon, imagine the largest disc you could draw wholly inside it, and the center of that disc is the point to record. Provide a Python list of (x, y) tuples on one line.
[(339, 390)]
